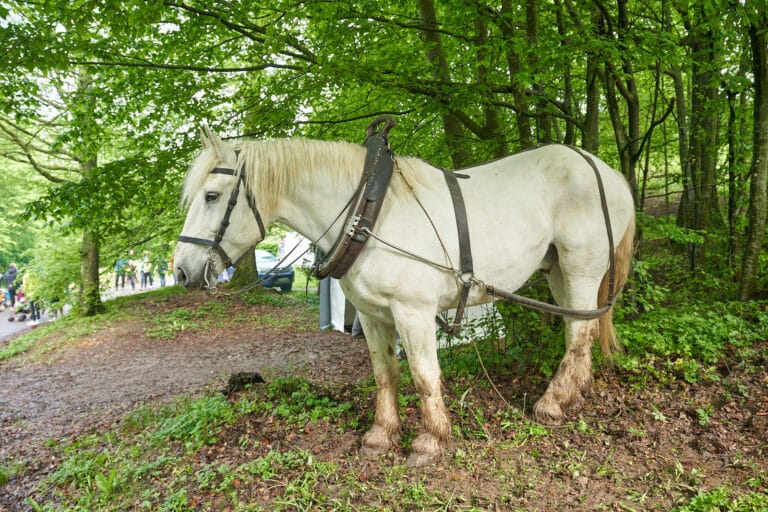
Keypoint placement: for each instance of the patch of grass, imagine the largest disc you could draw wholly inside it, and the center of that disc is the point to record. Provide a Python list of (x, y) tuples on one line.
[(294, 401), (196, 423), (723, 500), (10, 469), (275, 462), (151, 458), (20, 344), (268, 298), (168, 325), (51, 336), (212, 313), (689, 340)]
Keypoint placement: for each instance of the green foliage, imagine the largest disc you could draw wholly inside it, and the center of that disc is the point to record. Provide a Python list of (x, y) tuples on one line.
[(54, 267), (294, 401), (691, 338), (275, 462), (196, 423), (666, 228), (267, 297), (723, 500), (16, 237), (9, 470)]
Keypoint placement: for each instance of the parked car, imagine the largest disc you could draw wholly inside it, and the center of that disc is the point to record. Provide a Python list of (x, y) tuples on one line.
[(281, 277)]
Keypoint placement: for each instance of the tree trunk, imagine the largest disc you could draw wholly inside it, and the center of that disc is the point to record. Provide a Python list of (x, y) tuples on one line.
[(699, 205), (759, 167), (90, 293), (245, 273), (626, 128), (737, 170), (590, 138), (454, 133), (492, 130), (522, 117), (590, 129)]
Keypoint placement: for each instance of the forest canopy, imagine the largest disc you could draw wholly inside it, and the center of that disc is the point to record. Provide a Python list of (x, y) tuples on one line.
[(101, 102)]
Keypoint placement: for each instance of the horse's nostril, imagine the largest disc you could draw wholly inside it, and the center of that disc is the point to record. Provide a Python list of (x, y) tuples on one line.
[(181, 277)]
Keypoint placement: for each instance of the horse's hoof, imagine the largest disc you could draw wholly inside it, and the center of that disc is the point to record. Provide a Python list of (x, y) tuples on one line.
[(376, 442), (548, 411), (371, 452), (418, 459), (425, 449)]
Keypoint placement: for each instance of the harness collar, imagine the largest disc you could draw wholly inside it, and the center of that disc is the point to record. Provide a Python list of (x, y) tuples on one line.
[(367, 201)]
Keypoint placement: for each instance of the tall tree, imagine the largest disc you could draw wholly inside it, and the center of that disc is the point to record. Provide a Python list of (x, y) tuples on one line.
[(759, 167)]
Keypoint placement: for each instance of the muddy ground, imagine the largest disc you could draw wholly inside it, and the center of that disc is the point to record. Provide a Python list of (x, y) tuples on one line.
[(88, 385)]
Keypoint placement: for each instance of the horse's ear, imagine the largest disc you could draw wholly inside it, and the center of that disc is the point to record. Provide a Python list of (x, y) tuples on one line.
[(209, 139)]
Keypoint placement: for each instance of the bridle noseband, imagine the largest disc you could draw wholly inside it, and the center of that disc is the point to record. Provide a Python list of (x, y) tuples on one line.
[(215, 244)]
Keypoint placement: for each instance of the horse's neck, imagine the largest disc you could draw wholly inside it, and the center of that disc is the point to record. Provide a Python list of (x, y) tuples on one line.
[(315, 205)]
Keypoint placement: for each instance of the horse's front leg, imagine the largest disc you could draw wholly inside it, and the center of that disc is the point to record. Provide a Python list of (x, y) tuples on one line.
[(385, 431), (420, 343)]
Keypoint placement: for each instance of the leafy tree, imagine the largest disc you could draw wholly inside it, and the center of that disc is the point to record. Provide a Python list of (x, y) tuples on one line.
[(468, 81)]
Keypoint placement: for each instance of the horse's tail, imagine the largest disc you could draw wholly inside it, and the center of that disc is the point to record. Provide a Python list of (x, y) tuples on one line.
[(609, 340)]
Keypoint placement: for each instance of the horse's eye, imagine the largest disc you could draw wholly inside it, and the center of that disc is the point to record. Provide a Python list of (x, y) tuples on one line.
[(211, 196)]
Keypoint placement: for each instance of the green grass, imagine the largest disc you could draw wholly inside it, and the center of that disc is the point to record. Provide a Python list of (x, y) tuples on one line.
[(172, 456), (688, 342), (157, 446), (721, 499)]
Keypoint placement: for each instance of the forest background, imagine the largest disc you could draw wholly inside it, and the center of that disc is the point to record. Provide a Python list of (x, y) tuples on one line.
[(101, 102)]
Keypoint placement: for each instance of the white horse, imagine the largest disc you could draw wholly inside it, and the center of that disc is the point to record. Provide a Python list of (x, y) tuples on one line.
[(537, 210)]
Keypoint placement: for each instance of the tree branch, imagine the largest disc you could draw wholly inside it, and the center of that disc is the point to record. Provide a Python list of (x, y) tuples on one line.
[(203, 69)]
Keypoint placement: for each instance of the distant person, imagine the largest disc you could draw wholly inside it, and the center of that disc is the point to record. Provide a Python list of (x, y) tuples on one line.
[(30, 285), (161, 265), (10, 282), (130, 271), (146, 269), (120, 265)]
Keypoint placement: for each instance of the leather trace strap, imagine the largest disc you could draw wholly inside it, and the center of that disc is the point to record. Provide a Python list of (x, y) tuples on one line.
[(215, 244), (465, 253), (366, 202)]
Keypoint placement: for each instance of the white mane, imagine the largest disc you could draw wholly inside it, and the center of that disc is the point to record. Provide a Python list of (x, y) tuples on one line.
[(275, 167)]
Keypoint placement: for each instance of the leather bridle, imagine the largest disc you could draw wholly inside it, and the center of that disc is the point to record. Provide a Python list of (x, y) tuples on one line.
[(215, 244)]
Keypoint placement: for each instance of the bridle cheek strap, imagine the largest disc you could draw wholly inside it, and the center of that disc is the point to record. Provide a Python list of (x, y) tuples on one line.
[(215, 244)]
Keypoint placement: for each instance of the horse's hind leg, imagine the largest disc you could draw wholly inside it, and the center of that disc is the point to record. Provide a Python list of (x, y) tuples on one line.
[(574, 376), (385, 431)]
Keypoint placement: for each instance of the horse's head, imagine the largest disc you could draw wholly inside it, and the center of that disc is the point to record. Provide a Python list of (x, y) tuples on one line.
[(222, 221)]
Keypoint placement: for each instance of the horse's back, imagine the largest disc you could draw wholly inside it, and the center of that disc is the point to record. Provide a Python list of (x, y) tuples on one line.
[(521, 205)]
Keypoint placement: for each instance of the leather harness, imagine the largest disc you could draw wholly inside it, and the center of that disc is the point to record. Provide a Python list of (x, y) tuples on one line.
[(367, 201), (368, 198)]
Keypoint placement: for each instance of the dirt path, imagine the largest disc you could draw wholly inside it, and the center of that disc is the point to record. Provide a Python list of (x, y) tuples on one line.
[(115, 370)]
